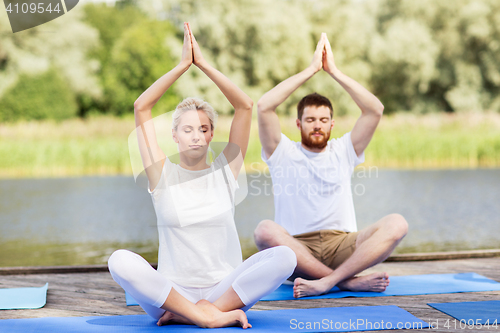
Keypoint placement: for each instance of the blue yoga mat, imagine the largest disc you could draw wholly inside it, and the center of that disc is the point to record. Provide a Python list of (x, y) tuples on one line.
[(406, 285), (483, 312), (130, 300), (23, 298), (398, 286), (343, 319)]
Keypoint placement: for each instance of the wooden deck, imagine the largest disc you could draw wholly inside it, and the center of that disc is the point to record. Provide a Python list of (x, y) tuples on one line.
[(96, 294)]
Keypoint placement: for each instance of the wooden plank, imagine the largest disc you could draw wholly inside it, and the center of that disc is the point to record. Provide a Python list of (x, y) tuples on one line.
[(97, 294), (56, 269), (444, 255)]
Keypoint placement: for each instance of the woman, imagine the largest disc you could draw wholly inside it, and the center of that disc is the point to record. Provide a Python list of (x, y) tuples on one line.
[(200, 278)]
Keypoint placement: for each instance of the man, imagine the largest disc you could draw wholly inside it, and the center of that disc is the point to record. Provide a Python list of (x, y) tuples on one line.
[(314, 211)]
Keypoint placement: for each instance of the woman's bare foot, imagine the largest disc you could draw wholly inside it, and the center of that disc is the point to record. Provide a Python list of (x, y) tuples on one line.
[(302, 287), (217, 318), (377, 282), (172, 318)]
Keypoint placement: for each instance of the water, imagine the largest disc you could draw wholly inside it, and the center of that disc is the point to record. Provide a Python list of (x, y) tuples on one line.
[(83, 220)]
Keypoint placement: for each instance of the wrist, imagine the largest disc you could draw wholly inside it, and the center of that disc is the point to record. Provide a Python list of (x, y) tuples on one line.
[(184, 65), (202, 64), (335, 73), (311, 70)]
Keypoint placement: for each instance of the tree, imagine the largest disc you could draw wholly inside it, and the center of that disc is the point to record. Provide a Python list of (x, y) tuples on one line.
[(61, 44), (138, 58), (459, 38), (42, 96)]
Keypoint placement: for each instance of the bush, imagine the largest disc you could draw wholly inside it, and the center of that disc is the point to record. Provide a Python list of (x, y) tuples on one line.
[(43, 96)]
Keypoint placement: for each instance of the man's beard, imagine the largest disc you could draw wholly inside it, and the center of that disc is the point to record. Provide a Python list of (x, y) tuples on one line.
[(315, 142)]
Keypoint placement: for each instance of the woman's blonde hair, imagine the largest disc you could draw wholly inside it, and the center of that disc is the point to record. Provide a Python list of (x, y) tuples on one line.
[(194, 103)]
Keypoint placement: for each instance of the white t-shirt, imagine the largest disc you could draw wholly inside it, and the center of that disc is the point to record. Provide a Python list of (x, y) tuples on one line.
[(312, 191), (199, 244)]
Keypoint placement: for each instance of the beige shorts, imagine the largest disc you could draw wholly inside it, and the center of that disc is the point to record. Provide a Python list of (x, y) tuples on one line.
[(331, 247)]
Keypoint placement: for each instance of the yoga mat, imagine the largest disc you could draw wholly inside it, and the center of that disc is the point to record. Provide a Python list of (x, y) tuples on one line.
[(398, 286), (130, 300), (480, 313), (23, 298), (405, 285), (296, 320)]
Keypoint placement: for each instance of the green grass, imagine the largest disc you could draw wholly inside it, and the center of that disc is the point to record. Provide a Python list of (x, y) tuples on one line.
[(99, 145), (437, 141), (32, 252)]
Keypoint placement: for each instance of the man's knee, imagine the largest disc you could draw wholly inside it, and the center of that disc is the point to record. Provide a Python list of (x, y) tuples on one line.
[(396, 226), (266, 233)]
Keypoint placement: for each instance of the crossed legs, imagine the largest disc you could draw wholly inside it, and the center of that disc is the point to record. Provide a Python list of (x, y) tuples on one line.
[(225, 303), (373, 245)]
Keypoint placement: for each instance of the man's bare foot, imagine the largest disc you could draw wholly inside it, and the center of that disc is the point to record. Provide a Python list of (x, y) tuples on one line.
[(217, 318), (302, 287), (377, 282), (172, 318)]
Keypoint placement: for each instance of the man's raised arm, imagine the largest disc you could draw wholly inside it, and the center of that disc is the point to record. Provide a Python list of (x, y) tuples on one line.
[(370, 105), (269, 125)]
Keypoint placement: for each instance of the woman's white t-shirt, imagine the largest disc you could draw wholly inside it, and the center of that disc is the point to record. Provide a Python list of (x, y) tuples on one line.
[(312, 191), (199, 244)]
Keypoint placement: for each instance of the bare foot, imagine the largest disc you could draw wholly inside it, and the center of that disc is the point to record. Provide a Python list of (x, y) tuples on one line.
[(302, 287), (217, 318), (172, 318), (373, 282)]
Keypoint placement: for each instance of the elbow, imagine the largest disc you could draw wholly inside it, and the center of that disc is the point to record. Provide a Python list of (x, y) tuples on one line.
[(137, 106), (249, 104), (246, 106), (243, 103), (379, 110), (261, 106)]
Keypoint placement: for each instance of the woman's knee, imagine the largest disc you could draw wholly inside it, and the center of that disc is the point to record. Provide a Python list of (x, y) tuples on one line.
[(120, 263), (286, 259)]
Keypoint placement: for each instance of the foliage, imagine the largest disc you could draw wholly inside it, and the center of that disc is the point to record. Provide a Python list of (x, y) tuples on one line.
[(450, 60), (61, 44), (44, 96), (133, 53), (417, 56), (139, 58)]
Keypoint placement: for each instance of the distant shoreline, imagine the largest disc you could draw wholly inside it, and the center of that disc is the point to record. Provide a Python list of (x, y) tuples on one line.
[(98, 146)]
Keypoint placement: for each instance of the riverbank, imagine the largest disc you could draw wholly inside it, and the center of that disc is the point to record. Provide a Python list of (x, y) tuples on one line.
[(99, 145)]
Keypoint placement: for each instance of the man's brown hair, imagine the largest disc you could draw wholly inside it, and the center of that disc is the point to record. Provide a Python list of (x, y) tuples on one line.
[(313, 99)]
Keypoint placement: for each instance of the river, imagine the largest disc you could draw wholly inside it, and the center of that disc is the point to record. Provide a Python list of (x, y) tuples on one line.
[(71, 221)]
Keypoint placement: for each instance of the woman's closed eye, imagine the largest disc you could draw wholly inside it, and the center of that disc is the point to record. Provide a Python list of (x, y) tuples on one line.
[(204, 130)]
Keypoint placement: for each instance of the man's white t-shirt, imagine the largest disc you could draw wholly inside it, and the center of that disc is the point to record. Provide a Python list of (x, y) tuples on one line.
[(199, 244), (312, 191)]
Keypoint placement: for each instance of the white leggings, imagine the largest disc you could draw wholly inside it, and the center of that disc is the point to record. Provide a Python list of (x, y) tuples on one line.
[(256, 277)]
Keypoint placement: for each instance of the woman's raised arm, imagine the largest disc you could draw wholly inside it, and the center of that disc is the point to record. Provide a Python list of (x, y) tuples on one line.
[(240, 127), (152, 156)]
